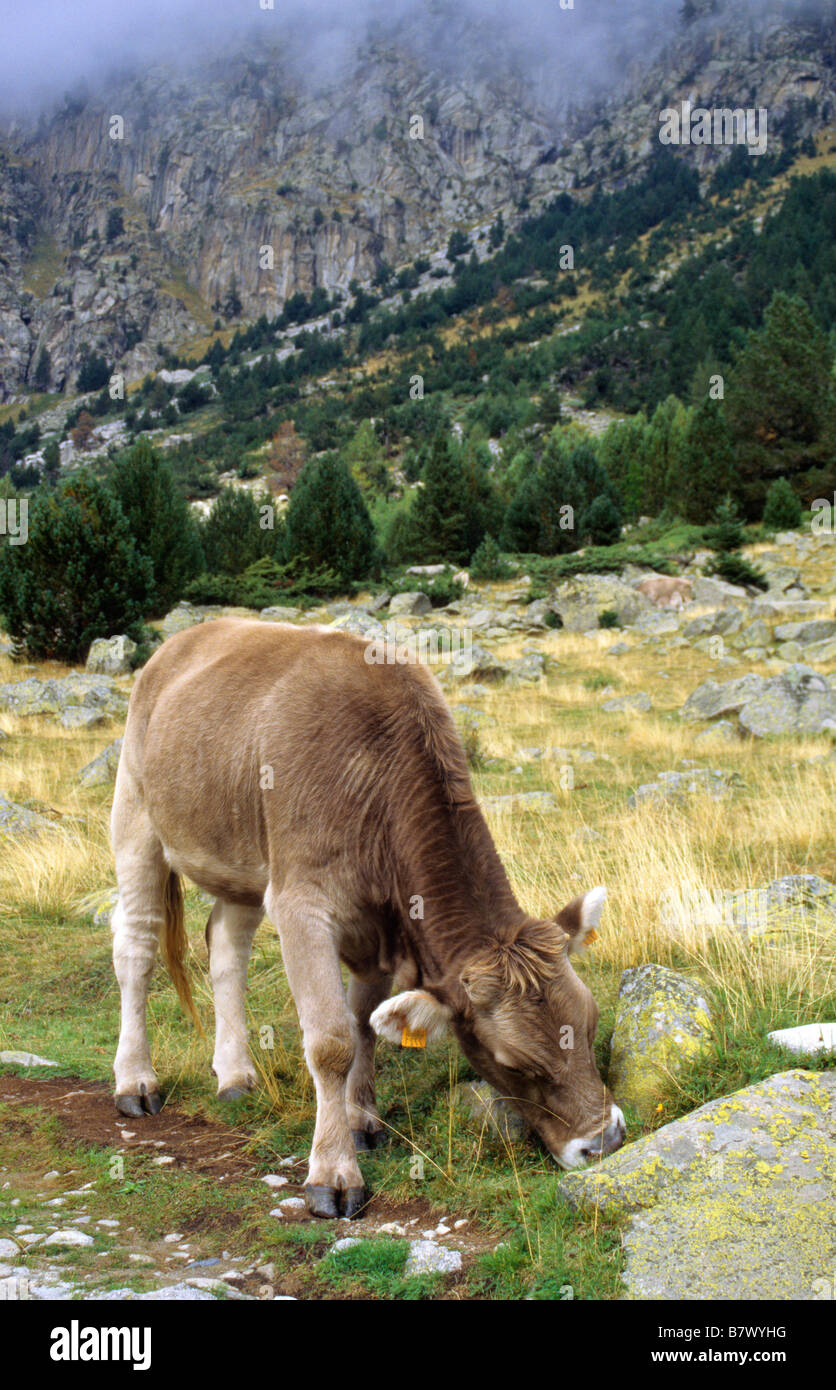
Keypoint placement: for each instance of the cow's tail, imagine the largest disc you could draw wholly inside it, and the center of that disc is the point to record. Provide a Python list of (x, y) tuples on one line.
[(175, 944)]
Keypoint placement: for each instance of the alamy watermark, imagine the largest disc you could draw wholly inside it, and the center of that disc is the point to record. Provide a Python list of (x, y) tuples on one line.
[(429, 645), (14, 520), (696, 125)]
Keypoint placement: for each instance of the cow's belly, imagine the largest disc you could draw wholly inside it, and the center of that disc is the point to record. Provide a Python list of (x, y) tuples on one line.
[(244, 883)]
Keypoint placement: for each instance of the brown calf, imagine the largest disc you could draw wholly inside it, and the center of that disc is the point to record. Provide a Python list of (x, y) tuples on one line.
[(282, 772), (665, 592)]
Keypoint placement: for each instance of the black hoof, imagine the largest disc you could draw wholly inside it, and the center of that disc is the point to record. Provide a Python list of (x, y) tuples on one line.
[(354, 1200), (369, 1138), (138, 1106), (321, 1201), (233, 1093)]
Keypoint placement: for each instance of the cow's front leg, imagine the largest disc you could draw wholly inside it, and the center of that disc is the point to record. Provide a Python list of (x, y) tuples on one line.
[(229, 938), (334, 1185), (364, 995)]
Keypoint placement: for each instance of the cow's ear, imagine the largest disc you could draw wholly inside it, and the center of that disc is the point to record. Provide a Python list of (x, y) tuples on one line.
[(414, 1015), (580, 918)]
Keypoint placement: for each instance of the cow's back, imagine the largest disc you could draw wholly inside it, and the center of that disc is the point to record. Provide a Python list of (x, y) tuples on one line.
[(247, 737)]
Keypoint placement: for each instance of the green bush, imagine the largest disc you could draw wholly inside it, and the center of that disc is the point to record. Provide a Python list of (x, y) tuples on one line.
[(609, 618), (488, 561), (735, 569), (78, 577), (782, 509)]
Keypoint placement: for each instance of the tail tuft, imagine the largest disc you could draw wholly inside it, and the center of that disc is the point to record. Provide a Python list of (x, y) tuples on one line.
[(175, 944)]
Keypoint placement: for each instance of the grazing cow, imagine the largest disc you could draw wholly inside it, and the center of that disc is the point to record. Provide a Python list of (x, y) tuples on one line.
[(283, 773), (665, 592)]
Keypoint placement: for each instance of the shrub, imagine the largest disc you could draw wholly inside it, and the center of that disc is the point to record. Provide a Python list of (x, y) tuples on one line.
[(79, 576), (782, 509), (488, 562), (609, 618), (735, 569)]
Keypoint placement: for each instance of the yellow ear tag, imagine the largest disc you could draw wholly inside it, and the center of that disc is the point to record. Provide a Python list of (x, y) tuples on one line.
[(416, 1039), (591, 935)]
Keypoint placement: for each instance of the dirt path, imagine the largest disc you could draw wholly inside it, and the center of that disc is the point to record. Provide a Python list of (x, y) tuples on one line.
[(187, 1262)]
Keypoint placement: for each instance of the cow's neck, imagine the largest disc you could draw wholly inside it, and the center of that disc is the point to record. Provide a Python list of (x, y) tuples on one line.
[(451, 893)]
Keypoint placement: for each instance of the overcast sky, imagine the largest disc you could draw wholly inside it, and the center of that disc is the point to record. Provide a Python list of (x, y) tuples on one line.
[(48, 46)]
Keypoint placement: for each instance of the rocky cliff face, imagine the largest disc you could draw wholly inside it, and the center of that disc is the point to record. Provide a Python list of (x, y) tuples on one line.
[(241, 183)]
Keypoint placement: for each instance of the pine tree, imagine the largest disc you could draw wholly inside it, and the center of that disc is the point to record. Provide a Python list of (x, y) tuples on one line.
[(327, 524), (232, 535), (365, 460), (708, 468), (780, 404), (160, 521), (79, 576), (439, 520)]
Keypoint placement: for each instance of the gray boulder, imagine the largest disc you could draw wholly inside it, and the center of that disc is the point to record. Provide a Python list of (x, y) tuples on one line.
[(482, 1103), (662, 1026), (707, 590), (183, 616), (640, 702), (814, 630), (279, 614), (17, 821), (412, 605), (676, 787), (735, 1201), (712, 699), (102, 769), (797, 702), (98, 694), (110, 656)]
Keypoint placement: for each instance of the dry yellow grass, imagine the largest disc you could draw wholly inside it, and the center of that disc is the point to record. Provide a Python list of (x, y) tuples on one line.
[(657, 862)]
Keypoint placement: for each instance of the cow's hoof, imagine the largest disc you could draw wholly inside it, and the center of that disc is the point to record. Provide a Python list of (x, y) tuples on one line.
[(369, 1138), (334, 1202), (137, 1106), (233, 1093), (354, 1200), (322, 1201)]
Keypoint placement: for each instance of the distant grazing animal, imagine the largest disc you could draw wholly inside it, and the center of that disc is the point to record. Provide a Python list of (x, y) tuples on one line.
[(283, 773), (666, 593)]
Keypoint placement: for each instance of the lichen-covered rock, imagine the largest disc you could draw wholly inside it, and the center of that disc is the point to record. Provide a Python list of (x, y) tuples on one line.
[(17, 821), (102, 769), (98, 694), (278, 614), (544, 802), (639, 702), (797, 702), (482, 1103), (180, 618), (361, 623), (676, 787), (735, 1201), (662, 1027), (110, 656), (712, 698)]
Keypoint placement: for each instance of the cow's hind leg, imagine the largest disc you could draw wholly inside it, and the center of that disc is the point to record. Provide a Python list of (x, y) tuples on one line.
[(139, 916), (229, 937), (334, 1185), (364, 995)]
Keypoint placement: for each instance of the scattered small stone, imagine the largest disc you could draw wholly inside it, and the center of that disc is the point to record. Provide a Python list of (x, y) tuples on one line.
[(69, 1239), (425, 1257), (274, 1180)]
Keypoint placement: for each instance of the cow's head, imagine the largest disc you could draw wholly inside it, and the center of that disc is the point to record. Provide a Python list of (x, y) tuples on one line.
[(526, 1023)]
